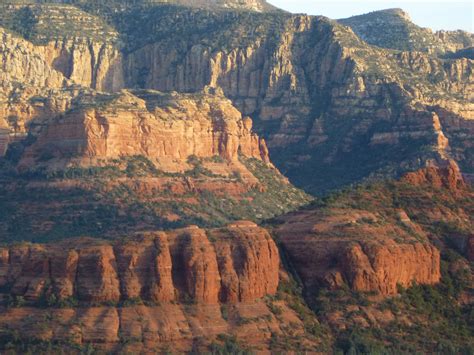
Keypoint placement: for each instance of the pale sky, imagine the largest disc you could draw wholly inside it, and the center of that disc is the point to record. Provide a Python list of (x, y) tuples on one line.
[(437, 14)]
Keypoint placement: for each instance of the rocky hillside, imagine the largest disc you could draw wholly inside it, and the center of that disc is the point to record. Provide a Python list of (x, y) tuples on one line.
[(125, 162), (135, 138), (247, 5), (353, 248), (403, 34), (211, 290)]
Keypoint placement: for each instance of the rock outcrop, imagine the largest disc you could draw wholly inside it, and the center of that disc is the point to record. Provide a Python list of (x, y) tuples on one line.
[(239, 263), (379, 236), (160, 127), (439, 175), (336, 95), (403, 34), (339, 248), (182, 290), (72, 43), (382, 268)]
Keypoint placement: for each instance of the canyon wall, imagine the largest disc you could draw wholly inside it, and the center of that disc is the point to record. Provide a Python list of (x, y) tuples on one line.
[(316, 88), (179, 290), (320, 96)]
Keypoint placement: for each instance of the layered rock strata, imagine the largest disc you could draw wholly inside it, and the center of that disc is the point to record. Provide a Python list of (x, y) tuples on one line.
[(378, 237), (48, 77), (311, 84), (348, 248), (237, 264), (163, 128)]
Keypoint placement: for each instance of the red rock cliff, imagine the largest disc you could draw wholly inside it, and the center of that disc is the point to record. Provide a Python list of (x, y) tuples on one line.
[(237, 264), (164, 128), (445, 174), (357, 248)]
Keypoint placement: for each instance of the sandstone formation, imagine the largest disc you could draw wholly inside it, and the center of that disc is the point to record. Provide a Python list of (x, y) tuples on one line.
[(180, 289), (377, 237), (151, 329), (345, 98), (237, 264), (350, 248), (163, 128), (71, 42), (445, 175)]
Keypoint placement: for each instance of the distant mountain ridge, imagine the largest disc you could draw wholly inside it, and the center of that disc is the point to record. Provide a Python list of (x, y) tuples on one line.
[(394, 29), (254, 5)]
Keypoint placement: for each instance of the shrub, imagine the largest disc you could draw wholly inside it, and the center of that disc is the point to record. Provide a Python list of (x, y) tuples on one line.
[(227, 344)]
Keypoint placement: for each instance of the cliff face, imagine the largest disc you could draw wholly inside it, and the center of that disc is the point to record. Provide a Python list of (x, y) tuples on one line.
[(164, 128), (309, 83), (239, 265), (70, 41), (86, 62), (40, 78), (352, 248), (21, 63), (334, 100), (180, 289)]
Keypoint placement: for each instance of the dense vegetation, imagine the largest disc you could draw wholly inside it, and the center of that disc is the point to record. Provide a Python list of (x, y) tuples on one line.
[(108, 201)]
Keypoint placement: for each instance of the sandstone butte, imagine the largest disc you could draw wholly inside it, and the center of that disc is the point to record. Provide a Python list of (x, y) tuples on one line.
[(366, 260)]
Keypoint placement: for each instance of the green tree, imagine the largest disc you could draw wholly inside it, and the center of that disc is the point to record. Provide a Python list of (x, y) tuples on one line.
[(24, 22)]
